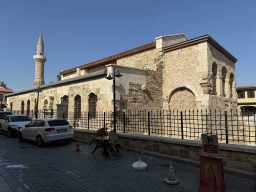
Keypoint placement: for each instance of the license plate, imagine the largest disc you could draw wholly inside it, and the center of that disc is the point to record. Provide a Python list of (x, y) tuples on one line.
[(61, 130)]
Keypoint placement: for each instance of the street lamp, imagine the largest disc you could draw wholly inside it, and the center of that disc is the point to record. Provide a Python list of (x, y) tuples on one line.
[(115, 74), (36, 112)]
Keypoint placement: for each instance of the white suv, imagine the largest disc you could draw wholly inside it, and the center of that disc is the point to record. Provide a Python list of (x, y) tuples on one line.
[(11, 124), (47, 130)]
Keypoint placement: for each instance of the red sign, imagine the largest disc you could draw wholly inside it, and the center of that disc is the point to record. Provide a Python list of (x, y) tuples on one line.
[(211, 175), (210, 149), (210, 144)]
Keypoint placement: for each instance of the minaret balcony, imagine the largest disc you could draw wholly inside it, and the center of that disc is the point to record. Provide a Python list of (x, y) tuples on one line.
[(39, 57)]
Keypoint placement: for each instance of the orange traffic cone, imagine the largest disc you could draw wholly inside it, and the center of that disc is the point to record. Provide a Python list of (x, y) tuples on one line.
[(77, 147)]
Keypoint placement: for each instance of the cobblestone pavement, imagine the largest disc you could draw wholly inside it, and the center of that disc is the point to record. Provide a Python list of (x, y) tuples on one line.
[(25, 167)]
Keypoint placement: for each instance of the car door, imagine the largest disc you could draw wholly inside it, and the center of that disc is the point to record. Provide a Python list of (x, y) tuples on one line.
[(35, 129), (26, 132)]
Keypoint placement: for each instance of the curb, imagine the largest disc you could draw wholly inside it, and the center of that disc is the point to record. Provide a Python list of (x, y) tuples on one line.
[(227, 170), (10, 181)]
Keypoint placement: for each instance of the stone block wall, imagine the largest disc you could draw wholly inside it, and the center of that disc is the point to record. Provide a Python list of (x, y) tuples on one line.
[(139, 60), (184, 68), (219, 101)]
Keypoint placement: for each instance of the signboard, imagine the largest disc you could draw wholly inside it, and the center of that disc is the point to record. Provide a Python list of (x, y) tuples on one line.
[(211, 174), (211, 170), (210, 144)]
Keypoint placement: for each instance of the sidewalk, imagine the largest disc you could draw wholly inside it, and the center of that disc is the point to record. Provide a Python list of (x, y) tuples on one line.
[(59, 168), (4, 186)]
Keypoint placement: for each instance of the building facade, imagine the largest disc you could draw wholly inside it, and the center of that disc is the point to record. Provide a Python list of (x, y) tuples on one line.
[(172, 73), (3, 92), (246, 100)]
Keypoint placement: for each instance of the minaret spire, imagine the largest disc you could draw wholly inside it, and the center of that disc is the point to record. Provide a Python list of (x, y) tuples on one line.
[(39, 59), (40, 40)]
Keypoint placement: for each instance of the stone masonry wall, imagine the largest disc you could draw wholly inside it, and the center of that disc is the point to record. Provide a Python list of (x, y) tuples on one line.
[(140, 59), (184, 68), (218, 101), (144, 97), (100, 87)]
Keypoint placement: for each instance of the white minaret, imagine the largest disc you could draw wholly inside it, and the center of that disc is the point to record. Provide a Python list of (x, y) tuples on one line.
[(39, 59)]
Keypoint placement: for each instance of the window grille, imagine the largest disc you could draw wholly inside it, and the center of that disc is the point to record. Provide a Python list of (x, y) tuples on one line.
[(251, 94)]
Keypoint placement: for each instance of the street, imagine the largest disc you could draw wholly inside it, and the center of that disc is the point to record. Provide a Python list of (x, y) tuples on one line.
[(57, 167)]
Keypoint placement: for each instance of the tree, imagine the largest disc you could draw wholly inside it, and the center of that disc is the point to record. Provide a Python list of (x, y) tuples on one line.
[(59, 76)]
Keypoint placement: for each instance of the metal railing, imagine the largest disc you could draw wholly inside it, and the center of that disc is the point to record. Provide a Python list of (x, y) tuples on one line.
[(230, 126)]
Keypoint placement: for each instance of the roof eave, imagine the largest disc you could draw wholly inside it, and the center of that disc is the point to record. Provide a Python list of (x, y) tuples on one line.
[(81, 77)]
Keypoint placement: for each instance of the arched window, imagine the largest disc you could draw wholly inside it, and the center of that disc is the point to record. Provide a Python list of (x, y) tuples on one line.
[(214, 75), (224, 73), (231, 80), (28, 108), (92, 105), (11, 106), (51, 102), (45, 104), (77, 106), (66, 101), (22, 107)]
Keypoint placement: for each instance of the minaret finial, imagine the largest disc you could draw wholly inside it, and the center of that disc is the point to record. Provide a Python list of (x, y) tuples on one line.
[(40, 40)]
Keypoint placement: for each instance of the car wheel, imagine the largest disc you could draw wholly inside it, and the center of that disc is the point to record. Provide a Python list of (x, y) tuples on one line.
[(21, 138), (9, 132), (1, 130), (40, 142)]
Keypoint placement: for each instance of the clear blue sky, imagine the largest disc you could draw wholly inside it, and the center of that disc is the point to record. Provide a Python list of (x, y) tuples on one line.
[(76, 32)]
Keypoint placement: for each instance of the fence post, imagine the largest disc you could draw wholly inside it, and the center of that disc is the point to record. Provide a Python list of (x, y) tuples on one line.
[(104, 119), (181, 119), (148, 123), (88, 120), (44, 113), (226, 126), (124, 120)]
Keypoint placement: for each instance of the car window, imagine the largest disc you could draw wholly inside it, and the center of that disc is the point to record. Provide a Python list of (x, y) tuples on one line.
[(58, 122), (30, 124), (20, 118), (39, 123)]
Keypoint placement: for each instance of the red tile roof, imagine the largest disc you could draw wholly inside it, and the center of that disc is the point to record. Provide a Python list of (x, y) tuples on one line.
[(111, 59), (246, 87), (6, 90)]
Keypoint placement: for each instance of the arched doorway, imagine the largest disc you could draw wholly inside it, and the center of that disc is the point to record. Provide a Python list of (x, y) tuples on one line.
[(182, 99)]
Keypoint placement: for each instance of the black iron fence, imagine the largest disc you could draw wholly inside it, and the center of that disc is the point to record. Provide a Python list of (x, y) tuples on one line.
[(43, 113), (230, 126)]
